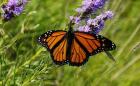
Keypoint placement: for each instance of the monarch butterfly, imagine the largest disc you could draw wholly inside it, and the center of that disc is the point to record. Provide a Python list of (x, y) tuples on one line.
[(74, 47)]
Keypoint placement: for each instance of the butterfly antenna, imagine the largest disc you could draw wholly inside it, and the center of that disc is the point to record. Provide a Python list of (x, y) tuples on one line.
[(110, 56)]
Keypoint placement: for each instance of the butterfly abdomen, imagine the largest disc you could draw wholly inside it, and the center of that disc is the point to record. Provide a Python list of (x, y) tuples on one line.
[(70, 37)]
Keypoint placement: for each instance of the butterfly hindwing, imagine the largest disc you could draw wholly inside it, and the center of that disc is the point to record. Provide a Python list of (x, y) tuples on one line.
[(78, 54), (56, 44), (58, 54)]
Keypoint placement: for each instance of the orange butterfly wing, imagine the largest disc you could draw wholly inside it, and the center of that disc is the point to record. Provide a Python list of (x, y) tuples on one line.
[(78, 54), (85, 45), (56, 44)]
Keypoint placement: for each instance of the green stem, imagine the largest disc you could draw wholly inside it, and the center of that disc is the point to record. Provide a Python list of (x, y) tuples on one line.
[(26, 63), (128, 41)]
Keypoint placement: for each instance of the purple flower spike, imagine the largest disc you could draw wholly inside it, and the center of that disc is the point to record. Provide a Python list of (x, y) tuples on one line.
[(93, 25), (97, 24), (90, 6), (87, 8), (106, 15), (12, 8)]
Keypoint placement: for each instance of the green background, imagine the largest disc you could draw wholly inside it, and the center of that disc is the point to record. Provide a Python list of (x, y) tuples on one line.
[(23, 62)]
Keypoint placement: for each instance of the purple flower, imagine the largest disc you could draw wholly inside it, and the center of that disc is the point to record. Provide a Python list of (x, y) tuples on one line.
[(109, 14), (75, 20), (84, 28), (12, 8), (16, 2), (84, 16), (97, 24), (90, 6)]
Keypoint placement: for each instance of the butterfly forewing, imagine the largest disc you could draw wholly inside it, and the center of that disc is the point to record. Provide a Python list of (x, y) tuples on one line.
[(51, 38), (58, 54), (56, 44), (94, 44)]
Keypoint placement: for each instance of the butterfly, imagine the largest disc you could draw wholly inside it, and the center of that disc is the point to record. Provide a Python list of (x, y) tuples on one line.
[(74, 47)]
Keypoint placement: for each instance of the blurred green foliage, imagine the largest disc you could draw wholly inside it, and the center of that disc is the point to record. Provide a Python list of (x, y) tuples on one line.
[(23, 62)]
